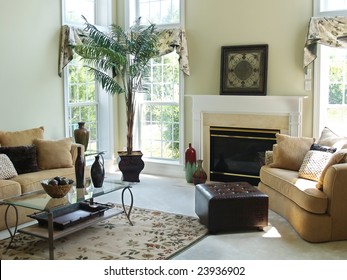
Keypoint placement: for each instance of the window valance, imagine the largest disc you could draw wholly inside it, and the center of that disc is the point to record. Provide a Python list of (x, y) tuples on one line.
[(329, 31), (175, 38), (169, 40)]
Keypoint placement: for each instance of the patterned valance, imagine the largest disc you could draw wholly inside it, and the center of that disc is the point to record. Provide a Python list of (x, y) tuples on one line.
[(329, 31), (175, 38), (169, 40), (69, 37)]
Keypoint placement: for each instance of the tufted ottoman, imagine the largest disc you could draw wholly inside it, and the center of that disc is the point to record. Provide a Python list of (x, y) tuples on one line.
[(231, 206)]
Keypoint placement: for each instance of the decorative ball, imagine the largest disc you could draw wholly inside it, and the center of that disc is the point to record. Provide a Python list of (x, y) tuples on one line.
[(57, 187)]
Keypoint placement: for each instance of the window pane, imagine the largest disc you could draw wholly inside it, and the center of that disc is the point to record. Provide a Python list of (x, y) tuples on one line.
[(335, 94), (74, 9), (160, 125), (336, 109), (159, 11), (332, 5)]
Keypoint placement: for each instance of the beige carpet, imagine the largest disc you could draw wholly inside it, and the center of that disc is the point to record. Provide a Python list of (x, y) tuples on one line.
[(155, 235)]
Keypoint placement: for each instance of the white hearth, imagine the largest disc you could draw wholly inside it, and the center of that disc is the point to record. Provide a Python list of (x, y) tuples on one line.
[(283, 113)]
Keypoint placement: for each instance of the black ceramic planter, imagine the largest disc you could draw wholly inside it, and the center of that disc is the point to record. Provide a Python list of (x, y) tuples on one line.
[(131, 165)]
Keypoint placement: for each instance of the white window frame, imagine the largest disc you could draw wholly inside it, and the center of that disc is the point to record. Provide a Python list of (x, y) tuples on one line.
[(103, 18), (320, 74), (128, 20)]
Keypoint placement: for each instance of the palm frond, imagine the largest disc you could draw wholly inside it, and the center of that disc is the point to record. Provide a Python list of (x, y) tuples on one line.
[(107, 82), (101, 57)]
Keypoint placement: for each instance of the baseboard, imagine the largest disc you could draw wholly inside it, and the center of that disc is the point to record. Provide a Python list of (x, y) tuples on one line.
[(164, 169), (152, 167)]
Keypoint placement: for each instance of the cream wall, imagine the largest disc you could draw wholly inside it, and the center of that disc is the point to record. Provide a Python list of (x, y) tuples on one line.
[(280, 24), (32, 92)]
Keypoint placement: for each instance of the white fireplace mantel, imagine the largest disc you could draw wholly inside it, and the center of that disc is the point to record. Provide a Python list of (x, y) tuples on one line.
[(223, 105)]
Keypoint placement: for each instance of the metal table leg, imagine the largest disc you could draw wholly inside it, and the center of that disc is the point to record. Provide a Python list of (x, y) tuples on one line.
[(12, 234), (127, 213)]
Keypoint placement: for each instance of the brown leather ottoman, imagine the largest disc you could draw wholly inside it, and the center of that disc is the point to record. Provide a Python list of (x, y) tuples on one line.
[(231, 206)]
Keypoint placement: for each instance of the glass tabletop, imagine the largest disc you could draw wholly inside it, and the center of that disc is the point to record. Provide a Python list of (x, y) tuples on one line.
[(40, 200)]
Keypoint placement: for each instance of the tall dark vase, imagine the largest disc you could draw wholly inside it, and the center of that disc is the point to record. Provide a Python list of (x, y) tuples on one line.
[(79, 169), (97, 171), (131, 166), (81, 135)]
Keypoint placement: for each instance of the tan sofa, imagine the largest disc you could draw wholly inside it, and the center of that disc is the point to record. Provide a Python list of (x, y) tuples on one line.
[(312, 196), (54, 158)]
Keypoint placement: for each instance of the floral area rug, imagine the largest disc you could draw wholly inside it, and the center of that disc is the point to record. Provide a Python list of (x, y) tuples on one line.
[(155, 235)]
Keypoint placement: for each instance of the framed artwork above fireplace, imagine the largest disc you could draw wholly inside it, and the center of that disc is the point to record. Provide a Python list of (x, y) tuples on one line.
[(244, 70)]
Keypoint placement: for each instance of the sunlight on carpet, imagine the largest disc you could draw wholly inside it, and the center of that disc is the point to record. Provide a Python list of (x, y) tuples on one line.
[(155, 235)]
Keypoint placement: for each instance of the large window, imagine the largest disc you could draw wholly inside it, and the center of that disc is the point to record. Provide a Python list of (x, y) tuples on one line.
[(159, 121), (84, 100), (330, 92)]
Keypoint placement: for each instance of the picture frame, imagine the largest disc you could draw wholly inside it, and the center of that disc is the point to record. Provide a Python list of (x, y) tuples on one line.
[(244, 70)]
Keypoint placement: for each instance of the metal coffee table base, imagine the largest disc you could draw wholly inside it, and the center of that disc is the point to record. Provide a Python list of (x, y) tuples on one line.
[(52, 234)]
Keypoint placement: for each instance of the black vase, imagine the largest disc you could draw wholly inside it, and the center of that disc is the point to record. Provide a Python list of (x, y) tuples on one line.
[(81, 135), (97, 171), (79, 169)]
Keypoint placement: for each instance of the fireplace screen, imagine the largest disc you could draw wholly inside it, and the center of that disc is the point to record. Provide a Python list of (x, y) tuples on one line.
[(236, 154)]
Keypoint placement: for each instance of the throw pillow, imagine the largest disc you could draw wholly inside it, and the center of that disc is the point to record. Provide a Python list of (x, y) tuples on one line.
[(54, 153), (268, 157), (314, 164), (331, 139), (23, 158), (7, 170), (317, 147), (20, 138), (290, 151)]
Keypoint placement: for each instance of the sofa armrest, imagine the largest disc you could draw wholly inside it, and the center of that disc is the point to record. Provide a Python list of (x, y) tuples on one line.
[(74, 151), (334, 186)]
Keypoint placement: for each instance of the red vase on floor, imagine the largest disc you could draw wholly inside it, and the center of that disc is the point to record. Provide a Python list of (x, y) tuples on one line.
[(190, 163), (199, 176)]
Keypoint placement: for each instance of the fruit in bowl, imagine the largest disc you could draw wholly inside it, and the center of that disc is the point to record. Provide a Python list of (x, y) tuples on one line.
[(57, 187)]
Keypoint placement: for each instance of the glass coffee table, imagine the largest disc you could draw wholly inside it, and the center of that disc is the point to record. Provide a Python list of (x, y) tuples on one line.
[(59, 217)]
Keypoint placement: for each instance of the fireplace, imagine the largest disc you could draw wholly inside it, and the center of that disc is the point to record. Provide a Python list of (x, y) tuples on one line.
[(236, 154), (277, 113)]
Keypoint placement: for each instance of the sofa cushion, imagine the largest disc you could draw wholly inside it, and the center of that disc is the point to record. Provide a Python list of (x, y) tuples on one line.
[(21, 137), (301, 191), (54, 153), (9, 188), (314, 164), (23, 158), (7, 170), (331, 139), (290, 151)]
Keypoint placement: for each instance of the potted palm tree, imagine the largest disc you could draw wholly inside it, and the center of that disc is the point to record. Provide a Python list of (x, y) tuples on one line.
[(119, 60)]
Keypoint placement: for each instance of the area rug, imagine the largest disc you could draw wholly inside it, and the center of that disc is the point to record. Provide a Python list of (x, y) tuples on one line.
[(155, 235)]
